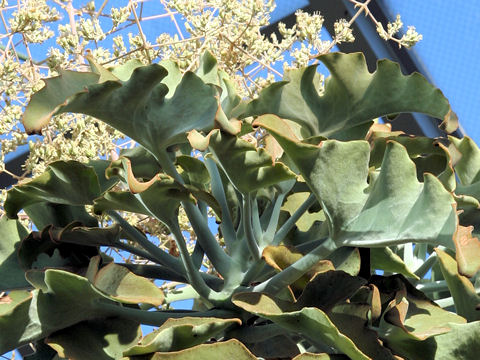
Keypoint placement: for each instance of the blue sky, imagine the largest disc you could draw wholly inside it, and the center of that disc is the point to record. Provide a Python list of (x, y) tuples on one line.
[(449, 50)]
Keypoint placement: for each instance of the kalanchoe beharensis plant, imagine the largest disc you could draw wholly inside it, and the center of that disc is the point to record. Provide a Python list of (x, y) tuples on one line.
[(306, 219)]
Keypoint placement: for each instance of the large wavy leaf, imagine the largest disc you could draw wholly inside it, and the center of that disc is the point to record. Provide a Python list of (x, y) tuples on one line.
[(63, 300), (13, 275), (104, 339), (145, 107), (124, 286), (352, 97), (311, 322), (55, 185), (460, 343), (179, 334), (394, 208), (248, 168), (463, 292), (230, 349)]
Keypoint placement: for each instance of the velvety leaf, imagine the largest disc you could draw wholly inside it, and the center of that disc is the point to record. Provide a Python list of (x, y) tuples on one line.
[(43, 214), (208, 71), (280, 346), (179, 334), (293, 202), (460, 343), (55, 185), (328, 289), (467, 167), (39, 244), (394, 209), (466, 157), (144, 165), (247, 167), (352, 320), (280, 257), (352, 96), (429, 155), (159, 196), (13, 276), (385, 259), (230, 349), (312, 323), (467, 251), (194, 171), (52, 97), (139, 107), (104, 74), (96, 339), (462, 290), (67, 299), (75, 233), (312, 356), (346, 259), (124, 286), (422, 318), (119, 200)]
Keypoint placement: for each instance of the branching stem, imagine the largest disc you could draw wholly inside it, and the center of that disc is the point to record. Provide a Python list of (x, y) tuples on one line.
[(296, 270), (193, 275), (247, 227), (220, 260), (290, 223), (158, 254)]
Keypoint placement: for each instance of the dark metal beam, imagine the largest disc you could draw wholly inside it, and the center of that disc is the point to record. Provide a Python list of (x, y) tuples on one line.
[(15, 167)]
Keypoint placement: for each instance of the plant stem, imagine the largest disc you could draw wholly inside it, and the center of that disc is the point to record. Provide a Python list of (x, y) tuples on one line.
[(228, 230), (157, 318), (296, 270), (220, 260), (247, 227), (269, 234), (290, 223), (427, 265), (439, 285), (164, 273), (184, 293), (134, 250), (158, 254), (193, 275), (257, 227), (446, 302)]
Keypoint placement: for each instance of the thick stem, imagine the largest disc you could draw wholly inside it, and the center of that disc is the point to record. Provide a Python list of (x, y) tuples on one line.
[(296, 270), (427, 265), (184, 293), (247, 227), (228, 230), (157, 318), (158, 254), (165, 273), (269, 234), (134, 250), (439, 285), (290, 223), (257, 227), (218, 257), (193, 274)]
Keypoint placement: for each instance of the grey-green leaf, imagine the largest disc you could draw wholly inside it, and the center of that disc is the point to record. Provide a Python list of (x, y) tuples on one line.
[(352, 97)]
